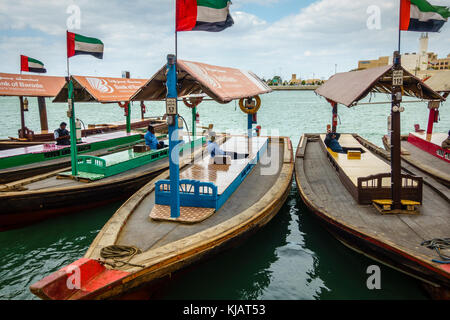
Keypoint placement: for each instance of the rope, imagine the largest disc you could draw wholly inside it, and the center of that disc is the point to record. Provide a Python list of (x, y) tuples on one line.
[(117, 252), (438, 245)]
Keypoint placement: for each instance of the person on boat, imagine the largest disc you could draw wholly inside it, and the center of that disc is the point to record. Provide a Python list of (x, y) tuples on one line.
[(331, 141), (62, 136), (446, 142), (152, 141), (215, 150)]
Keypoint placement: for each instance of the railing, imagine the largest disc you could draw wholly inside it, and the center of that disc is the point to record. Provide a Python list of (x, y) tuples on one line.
[(371, 188), (91, 160), (193, 193)]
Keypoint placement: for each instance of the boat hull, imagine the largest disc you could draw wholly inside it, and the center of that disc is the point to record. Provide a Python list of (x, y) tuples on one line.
[(436, 281), (18, 209)]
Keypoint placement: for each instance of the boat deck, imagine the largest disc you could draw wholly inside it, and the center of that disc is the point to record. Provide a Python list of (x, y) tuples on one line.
[(325, 191), (148, 234), (421, 156), (223, 175), (369, 164)]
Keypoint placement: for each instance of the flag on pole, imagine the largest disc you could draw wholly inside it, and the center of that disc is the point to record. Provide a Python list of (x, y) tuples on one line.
[(420, 15), (31, 65), (203, 15), (78, 44)]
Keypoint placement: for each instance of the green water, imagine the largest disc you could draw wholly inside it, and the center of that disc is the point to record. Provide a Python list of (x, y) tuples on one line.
[(293, 257)]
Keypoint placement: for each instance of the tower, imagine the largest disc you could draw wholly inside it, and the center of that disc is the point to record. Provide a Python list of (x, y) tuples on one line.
[(423, 43)]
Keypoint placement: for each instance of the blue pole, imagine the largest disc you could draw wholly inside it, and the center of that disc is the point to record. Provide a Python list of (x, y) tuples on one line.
[(174, 152), (250, 125)]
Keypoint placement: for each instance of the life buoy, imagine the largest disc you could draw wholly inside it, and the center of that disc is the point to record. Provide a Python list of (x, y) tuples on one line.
[(192, 102), (251, 110)]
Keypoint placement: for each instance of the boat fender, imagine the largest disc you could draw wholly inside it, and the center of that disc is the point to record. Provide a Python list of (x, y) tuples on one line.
[(143, 107), (250, 107), (192, 102)]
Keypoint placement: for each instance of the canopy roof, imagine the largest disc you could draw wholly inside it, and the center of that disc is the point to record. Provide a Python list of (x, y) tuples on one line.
[(29, 85), (440, 81), (100, 89), (220, 83), (350, 87)]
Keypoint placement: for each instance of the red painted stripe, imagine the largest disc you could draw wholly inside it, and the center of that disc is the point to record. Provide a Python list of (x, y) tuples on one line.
[(405, 15), (70, 44), (186, 15), (429, 147), (24, 63)]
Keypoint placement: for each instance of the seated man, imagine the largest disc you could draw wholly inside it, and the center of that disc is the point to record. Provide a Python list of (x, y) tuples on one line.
[(331, 141), (446, 142), (152, 141), (215, 150), (62, 136)]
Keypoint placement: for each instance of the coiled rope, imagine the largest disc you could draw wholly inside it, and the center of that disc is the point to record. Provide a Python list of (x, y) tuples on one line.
[(438, 245), (116, 253)]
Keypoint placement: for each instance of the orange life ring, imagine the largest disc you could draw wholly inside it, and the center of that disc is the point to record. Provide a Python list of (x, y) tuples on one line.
[(252, 110), (192, 102)]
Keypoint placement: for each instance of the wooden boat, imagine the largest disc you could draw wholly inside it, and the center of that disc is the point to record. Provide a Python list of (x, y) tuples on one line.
[(21, 163), (100, 180), (351, 193), (221, 204), (49, 87), (423, 148)]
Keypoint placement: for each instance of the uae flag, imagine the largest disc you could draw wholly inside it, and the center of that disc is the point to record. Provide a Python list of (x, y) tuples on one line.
[(419, 15), (78, 44), (203, 15), (31, 65)]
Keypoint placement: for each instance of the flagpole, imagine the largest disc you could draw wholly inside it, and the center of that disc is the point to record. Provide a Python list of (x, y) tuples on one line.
[(399, 27), (71, 113)]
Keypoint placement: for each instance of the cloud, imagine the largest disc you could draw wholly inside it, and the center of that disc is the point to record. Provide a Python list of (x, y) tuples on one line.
[(138, 36)]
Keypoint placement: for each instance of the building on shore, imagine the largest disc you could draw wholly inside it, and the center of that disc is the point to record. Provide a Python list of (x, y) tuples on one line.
[(421, 64)]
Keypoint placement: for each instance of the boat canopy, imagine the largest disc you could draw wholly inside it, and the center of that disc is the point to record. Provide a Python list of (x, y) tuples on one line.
[(101, 89), (440, 82), (348, 88), (220, 83), (25, 85)]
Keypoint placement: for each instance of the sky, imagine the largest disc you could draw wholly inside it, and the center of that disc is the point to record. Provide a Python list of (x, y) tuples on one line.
[(269, 37)]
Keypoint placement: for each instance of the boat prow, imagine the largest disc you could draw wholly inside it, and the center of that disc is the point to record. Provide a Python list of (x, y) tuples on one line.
[(252, 191)]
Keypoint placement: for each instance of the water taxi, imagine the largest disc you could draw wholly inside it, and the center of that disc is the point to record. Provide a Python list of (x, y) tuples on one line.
[(223, 200), (352, 193)]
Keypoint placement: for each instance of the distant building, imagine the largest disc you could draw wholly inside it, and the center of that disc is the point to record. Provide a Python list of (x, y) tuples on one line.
[(421, 64), (294, 81), (367, 64), (313, 81)]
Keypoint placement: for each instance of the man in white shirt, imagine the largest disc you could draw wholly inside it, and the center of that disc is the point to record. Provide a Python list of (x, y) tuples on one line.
[(215, 150)]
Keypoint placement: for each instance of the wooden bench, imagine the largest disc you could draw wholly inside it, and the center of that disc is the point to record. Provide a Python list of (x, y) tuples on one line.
[(369, 178)]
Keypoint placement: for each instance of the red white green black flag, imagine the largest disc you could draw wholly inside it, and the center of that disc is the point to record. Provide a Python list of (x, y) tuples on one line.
[(203, 15), (78, 45), (31, 65), (420, 15)]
